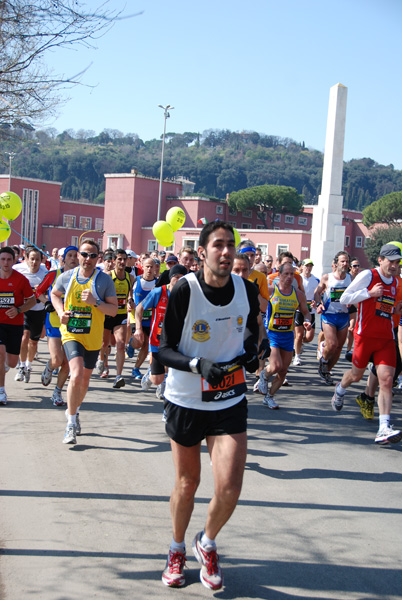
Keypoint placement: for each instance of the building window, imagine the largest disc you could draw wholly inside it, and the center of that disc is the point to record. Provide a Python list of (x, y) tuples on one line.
[(289, 219), (347, 241), (263, 248), (69, 221), (359, 241), (30, 205), (115, 240), (262, 215), (233, 223), (260, 227), (232, 212), (100, 243), (247, 213), (281, 248), (98, 223), (219, 209), (277, 218), (246, 225), (302, 220), (85, 223), (152, 245), (191, 242), (74, 240)]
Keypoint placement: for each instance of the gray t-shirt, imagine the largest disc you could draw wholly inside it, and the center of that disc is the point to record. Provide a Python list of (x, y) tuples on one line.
[(104, 283)]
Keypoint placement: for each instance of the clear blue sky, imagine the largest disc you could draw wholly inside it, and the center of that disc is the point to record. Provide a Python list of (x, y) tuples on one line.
[(261, 65)]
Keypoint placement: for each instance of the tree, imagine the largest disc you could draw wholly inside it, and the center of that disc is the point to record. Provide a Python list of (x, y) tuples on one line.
[(387, 209), (267, 199), (381, 236), (28, 30)]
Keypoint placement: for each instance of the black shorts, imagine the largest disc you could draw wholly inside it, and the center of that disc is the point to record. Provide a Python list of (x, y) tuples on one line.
[(299, 319), (188, 426), (74, 349), (352, 309), (34, 321), (10, 337), (112, 322), (157, 368)]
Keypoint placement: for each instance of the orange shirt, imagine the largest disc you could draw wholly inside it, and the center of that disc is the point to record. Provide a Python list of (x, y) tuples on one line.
[(261, 280), (296, 276)]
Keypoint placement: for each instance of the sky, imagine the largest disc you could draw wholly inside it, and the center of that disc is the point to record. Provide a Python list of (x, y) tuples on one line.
[(256, 65)]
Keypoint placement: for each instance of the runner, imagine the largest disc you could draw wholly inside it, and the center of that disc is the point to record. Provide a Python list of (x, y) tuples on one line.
[(89, 295), (16, 297), (310, 283), (34, 319), (334, 315), (58, 359), (374, 290), (354, 270), (207, 316), (283, 302), (117, 325)]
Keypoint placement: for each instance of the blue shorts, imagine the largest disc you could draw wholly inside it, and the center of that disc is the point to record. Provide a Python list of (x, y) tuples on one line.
[(52, 332), (282, 339), (337, 320)]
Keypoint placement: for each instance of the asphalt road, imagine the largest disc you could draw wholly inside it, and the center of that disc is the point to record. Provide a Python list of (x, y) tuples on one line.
[(319, 517)]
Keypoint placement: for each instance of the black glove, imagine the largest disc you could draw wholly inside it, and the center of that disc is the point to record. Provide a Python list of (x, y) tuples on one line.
[(211, 371), (264, 350), (249, 361), (49, 307)]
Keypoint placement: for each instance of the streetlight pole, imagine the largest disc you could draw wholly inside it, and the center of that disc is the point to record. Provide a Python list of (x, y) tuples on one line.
[(166, 115), (10, 158)]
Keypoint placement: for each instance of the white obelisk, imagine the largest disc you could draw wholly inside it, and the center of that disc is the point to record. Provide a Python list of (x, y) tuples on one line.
[(328, 233)]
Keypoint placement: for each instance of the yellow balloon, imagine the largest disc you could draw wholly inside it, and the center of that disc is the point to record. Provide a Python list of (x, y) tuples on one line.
[(5, 230), (10, 205), (176, 217), (163, 233), (237, 236), (399, 245)]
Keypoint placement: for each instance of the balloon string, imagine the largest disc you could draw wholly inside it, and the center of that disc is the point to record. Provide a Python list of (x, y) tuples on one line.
[(24, 238)]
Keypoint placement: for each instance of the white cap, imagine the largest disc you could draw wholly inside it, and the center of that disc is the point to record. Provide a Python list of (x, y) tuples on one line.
[(131, 253), (60, 252)]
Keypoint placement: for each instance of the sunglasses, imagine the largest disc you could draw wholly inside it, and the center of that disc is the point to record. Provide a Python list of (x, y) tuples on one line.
[(355, 266), (90, 254)]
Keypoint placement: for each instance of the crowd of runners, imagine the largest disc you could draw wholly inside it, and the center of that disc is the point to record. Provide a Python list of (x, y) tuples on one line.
[(202, 319)]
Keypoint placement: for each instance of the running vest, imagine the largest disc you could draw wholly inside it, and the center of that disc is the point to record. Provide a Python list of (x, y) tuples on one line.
[(139, 295), (216, 333), (333, 292), (158, 316), (86, 321), (374, 316), (123, 287), (281, 311)]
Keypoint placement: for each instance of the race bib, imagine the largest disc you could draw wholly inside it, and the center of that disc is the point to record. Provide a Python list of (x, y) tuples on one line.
[(7, 300), (309, 303), (121, 300), (384, 306), (79, 322), (282, 321), (232, 385), (147, 314), (336, 293)]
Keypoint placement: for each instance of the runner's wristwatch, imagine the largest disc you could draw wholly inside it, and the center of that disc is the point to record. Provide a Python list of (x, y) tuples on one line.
[(193, 364)]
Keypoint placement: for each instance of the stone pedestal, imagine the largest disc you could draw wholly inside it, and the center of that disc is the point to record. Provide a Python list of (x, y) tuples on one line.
[(328, 233)]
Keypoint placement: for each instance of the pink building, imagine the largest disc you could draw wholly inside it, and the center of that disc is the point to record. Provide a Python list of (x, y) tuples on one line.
[(47, 220)]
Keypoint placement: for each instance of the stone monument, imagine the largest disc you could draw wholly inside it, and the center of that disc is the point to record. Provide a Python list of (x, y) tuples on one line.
[(328, 233)]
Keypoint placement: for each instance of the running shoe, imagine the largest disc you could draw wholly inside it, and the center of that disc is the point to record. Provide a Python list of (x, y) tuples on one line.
[(119, 382), (160, 390), (269, 401), (387, 434), (173, 575), (130, 350), (369, 410), (77, 424), (320, 350), (211, 573), (136, 373), (286, 383), (100, 366), (337, 401), (3, 398), (27, 375), (20, 374), (263, 384), (105, 373), (146, 382), (57, 400), (46, 376), (296, 361), (70, 435), (349, 355)]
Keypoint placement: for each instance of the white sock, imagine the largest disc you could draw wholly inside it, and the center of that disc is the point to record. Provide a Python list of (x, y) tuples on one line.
[(71, 420), (341, 391), (207, 542), (384, 420), (28, 364), (178, 546)]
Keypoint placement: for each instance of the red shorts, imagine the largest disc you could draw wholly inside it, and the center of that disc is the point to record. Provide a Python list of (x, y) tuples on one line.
[(379, 350)]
